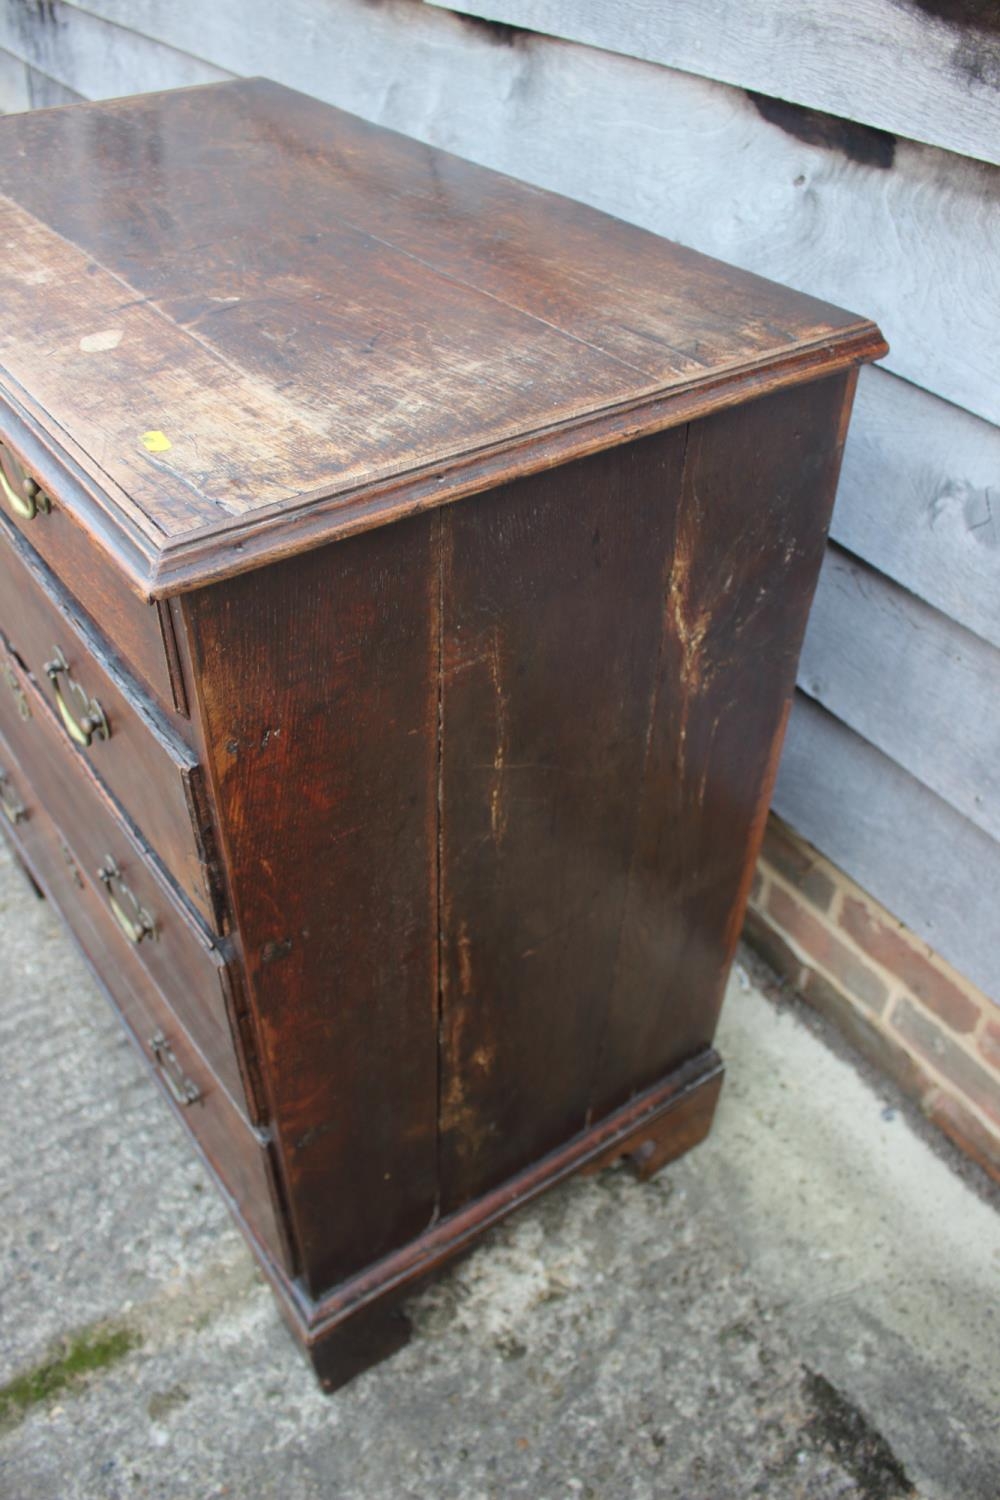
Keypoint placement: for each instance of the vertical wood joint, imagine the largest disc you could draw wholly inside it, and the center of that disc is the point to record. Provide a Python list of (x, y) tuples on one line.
[(437, 553)]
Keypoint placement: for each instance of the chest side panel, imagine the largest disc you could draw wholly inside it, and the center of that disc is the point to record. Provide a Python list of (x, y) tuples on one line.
[(759, 485), (620, 641), (552, 608), (317, 686)]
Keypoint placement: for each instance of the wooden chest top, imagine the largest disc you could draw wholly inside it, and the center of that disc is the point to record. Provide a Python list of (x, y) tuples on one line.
[(239, 322)]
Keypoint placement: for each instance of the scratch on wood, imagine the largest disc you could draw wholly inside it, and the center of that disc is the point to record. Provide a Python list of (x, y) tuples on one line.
[(498, 808), (464, 961), (691, 627)]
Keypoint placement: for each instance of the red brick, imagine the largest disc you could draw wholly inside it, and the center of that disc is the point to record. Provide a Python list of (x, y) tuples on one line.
[(821, 945), (966, 1076), (797, 863), (886, 1052), (887, 946), (969, 1133), (989, 1043), (766, 940)]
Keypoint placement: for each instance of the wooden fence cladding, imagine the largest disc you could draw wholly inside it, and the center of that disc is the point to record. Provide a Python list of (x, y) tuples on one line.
[(849, 150)]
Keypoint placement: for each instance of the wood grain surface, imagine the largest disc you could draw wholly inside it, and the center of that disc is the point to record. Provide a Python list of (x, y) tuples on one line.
[(259, 302), (731, 635), (553, 594), (491, 783), (488, 779), (897, 838), (926, 71), (872, 651), (318, 685), (919, 499), (150, 771)]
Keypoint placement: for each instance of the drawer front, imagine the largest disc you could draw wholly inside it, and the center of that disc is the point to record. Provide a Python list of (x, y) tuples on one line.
[(147, 767), (240, 1156), (141, 632), (166, 939)]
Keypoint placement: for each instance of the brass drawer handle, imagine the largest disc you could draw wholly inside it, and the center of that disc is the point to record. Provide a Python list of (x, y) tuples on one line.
[(133, 919), (32, 498), (14, 809), (83, 716), (182, 1089)]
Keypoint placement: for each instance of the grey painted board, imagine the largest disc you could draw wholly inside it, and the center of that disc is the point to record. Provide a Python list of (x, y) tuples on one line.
[(48, 93), (23, 87), (911, 681), (927, 864), (913, 245), (902, 68), (14, 92), (91, 58), (919, 498)]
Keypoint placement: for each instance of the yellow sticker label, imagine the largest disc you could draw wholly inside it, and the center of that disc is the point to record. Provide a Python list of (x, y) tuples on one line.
[(155, 442)]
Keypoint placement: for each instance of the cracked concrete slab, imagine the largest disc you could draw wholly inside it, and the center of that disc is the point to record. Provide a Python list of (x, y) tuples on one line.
[(804, 1307)]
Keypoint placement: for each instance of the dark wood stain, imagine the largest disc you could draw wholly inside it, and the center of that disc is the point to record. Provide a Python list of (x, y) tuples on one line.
[(962, 15), (319, 700), (975, 25), (864, 144), (553, 598), (482, 539), (732, 629), (368, 313), (499, 32)]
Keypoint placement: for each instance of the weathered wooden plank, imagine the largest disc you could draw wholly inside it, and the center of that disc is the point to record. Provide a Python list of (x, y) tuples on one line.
[(92, 58), (548, 681), (911, 681), (48, 93), (15, 91), (328, 806), (24, 87), (919, 499), (255, 326), (715, 726), (931, 867), (905, 232), (929, 72)]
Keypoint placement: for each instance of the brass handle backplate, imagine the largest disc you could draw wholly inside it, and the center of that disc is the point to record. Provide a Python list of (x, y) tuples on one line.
[(182, 1088), (14, 809), (83, 716), (32, 498), (19, 695), (133, 918)]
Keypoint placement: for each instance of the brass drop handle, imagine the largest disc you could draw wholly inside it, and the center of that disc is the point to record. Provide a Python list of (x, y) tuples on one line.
[(32, 498), (133, 918), (82, 715), (14, 809), (182, 1088)]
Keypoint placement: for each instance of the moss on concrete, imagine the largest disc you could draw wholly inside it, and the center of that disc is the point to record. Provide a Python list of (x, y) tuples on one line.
[(843, 1430), (77, 1356)]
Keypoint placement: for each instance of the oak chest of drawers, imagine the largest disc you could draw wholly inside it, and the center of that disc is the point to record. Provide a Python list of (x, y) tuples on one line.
[(402, 577)]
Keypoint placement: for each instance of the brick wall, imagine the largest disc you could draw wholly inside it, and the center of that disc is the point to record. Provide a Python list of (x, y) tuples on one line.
[(892, 995)]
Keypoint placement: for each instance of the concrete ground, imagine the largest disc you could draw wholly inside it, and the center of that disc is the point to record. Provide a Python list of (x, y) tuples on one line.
[(806, 1306)]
